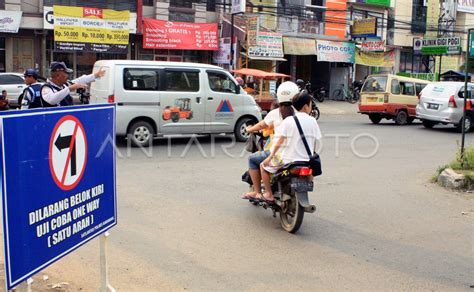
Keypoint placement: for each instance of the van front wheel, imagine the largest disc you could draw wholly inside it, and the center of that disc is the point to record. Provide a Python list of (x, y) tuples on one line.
[(240, 134), (141, 134)]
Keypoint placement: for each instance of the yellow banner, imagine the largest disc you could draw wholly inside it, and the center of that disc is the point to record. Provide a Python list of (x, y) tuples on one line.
[(375, 59), (90, 25), (299, 46), (364, 27)]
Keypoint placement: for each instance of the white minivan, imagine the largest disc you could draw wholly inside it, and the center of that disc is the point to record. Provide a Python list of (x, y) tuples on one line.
[(443, 103), (159, 98)]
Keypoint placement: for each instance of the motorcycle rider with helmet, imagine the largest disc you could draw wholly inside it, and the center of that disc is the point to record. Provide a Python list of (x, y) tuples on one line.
[(285, 92)]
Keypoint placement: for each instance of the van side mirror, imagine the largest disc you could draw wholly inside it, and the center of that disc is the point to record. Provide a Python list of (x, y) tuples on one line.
[(237, 89), (461, 94)]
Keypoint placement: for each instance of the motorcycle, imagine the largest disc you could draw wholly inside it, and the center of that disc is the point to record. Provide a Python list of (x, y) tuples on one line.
[(315, 113), (356, 89), (319, 94), (290, 187)]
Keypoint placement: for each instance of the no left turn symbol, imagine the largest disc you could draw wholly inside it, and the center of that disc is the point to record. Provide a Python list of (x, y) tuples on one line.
[(68, 152)]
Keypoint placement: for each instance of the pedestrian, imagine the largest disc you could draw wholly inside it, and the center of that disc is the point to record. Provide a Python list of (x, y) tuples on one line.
[(31, 96), (57, 89), (4, 105)]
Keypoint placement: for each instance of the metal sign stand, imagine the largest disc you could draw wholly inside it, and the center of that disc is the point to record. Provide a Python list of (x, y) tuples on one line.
[(25, 286), (104, 275)]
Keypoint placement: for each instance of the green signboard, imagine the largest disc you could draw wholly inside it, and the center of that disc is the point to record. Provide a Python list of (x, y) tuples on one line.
[(385, 3), (424, 76), (472, 45), (439, 46)]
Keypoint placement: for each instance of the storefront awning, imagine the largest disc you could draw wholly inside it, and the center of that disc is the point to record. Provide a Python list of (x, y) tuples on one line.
[(266, 58), (259, 73)]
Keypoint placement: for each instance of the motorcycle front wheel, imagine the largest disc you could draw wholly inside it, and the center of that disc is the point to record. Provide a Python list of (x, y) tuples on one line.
[(291, 215), (315, 113)]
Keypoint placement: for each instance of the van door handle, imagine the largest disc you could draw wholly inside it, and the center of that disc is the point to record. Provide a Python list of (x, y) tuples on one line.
[(198, 100), (21, 86), (210, 98)]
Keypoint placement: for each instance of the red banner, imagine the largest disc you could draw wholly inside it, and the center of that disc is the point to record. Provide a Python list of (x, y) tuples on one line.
[(159, 34)]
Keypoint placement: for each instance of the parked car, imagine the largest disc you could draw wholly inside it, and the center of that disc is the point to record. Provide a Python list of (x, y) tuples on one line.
[(386, 96), (157, 98), (14, 84), (442, 103)]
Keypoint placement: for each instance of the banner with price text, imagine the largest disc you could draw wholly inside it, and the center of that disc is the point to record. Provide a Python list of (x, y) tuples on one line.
[(159, 34), (91, 29)]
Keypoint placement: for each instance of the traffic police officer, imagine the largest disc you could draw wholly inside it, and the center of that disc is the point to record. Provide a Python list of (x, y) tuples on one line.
[(31, 97), (57, 90)]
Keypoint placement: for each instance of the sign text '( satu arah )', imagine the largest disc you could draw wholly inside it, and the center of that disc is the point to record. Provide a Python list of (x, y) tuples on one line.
[(82, 205)]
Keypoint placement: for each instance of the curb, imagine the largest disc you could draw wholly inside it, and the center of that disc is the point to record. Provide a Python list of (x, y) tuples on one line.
[(453, 180)]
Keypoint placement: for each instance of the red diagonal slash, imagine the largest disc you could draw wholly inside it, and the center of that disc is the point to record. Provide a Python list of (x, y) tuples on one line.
[(73, 140)]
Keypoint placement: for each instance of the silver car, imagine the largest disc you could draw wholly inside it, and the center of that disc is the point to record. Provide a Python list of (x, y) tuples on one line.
[(14, 84), (442, 103)]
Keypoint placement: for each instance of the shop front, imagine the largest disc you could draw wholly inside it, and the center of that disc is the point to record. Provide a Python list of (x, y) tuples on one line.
[(340, 58)]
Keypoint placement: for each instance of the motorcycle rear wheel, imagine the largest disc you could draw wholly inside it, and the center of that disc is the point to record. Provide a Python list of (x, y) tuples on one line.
[(291, 215)]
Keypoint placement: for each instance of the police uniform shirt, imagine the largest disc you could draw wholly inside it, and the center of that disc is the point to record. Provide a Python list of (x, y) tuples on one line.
[(55, 97), (27, 98)]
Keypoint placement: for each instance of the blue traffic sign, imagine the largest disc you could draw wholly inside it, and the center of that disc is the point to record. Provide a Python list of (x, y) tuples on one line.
[(58, 183)]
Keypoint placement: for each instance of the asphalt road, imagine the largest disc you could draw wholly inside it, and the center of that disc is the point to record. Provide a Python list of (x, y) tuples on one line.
[(380, 223)]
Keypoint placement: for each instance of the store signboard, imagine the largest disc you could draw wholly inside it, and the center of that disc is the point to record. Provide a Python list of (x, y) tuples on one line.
[(48, 19), (10, 21), (87, 29), (341, 52), (366, 27), (438, 46), (270, 45), (373, 46)]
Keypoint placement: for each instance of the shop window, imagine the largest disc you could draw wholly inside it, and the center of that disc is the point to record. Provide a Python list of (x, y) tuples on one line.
[(418, 17), (140, 79), (181, 16), (221, 83), (181, 3), (184, 81), (148, 2), (395, 87), (211, 5), (407, 88)]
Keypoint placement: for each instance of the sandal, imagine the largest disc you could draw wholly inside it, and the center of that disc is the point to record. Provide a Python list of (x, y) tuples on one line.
[(261, 198), (249, 195)]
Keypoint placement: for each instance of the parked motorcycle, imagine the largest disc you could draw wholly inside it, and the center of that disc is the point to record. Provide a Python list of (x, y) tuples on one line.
[(315, 96), (319, 94), (290, 187)]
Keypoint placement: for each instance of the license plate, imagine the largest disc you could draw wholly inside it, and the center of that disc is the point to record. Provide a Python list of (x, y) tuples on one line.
[(433, 106), (302, 185), (372, 99)]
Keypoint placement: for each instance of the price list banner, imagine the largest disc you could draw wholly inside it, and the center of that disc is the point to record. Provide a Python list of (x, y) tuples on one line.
[(91, 29), (159, 34)]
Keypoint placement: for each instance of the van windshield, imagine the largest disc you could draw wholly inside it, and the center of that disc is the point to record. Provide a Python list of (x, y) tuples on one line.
[(375, 84)]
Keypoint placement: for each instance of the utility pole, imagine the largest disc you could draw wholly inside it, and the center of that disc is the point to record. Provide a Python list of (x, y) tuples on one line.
[(466, 93)]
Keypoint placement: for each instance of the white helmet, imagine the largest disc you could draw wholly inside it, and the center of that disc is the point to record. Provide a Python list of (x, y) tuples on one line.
[(286, 91)]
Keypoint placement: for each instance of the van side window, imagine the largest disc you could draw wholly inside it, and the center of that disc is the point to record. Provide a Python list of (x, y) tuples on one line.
[(395, 87), (407, 88), (221, 82), (140, 79), (419, 88), (184, 81)]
